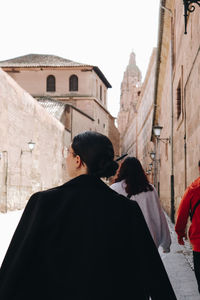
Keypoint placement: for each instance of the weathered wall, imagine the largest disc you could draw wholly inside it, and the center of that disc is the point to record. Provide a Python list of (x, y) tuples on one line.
[(34, 82), (114, 136), (80, 123), (186, 125), (23, 172)]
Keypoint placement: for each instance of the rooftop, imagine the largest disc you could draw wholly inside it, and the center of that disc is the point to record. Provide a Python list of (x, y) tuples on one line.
[(48, 61)]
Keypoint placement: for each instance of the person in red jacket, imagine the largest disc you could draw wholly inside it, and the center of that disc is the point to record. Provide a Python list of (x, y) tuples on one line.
[(190, 207)]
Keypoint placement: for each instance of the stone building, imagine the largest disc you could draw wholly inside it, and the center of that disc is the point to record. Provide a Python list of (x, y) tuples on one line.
[(81, 88), (176, 101), (136, 137), (48, 100), (170, 99), (130, 91)]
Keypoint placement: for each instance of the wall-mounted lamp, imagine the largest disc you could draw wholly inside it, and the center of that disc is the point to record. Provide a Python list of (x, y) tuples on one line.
[(150, 165), (152, 155), (157, 131), (31, 146), (189, 7)]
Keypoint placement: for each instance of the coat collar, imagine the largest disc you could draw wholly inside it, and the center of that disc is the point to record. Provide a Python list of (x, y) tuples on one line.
[(85, 179)]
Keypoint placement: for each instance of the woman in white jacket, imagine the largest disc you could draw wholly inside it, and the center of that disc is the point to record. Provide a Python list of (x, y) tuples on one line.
[(132, 182)]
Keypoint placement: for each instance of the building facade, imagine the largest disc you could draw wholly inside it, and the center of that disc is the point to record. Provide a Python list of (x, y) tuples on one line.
[(177, 105), (136, 137), (130, 92), (48, 100), (82, 88), (169, 99)]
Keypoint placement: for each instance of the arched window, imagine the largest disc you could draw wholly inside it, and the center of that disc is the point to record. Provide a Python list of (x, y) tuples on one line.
[(51, 83), (73, 83)]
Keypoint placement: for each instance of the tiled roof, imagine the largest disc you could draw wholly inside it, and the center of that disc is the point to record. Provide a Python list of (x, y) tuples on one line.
[(54, 108), (45, 61), (40, 60)]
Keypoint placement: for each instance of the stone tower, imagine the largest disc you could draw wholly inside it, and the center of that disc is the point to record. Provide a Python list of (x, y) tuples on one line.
[(130, 91)]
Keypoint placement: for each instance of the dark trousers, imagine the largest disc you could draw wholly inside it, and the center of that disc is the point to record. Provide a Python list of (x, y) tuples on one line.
[(196, 259)]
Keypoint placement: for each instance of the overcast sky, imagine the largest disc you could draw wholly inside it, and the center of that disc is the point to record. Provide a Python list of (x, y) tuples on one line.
[(101, 33)]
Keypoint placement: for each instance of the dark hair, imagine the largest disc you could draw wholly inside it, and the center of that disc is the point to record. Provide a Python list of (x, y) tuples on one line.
[(199, 163), (136, 180), (96, 151)]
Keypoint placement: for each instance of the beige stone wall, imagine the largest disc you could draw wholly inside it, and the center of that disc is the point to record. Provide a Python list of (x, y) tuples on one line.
[(34, 82), (164, 149), (80, 123), (97, 112), (22, 172), (114, 136), (186, 75)]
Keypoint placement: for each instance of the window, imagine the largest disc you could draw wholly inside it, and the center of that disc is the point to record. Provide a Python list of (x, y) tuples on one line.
[(73, 83), (96, 89), (178, 100), (51, 83), (100, 92)]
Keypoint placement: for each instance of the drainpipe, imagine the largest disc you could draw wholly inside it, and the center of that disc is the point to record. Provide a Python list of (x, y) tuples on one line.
[(172, 117)]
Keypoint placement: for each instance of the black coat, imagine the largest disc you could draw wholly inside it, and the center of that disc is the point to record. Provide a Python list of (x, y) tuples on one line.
[(82, 241)]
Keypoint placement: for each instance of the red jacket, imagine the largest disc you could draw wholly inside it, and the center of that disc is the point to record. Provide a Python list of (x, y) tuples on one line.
[(190, 198)]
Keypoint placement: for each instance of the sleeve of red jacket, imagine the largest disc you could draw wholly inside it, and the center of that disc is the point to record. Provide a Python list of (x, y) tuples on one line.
[(183, 214)]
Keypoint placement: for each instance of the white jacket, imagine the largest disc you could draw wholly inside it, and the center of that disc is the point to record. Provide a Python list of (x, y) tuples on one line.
[(150, 206)]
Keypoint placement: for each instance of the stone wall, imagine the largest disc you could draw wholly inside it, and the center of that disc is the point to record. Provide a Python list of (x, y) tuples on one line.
[(23, 172), (34, 82), (185, 102), (114, 136)]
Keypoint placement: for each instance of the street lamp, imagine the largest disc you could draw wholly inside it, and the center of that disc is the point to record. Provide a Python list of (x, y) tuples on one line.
[(152, 155), (157, 132), (31, 146), (150, 165)]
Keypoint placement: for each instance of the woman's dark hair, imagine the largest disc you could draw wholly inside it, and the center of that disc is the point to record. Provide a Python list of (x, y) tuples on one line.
[(136, 180), (96, 151)]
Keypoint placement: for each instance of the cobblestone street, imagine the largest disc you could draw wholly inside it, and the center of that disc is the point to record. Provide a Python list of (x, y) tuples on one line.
[(179, 266)]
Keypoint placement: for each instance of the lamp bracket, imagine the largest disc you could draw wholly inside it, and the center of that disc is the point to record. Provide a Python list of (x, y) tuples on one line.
[(165, 140), (189, 8)]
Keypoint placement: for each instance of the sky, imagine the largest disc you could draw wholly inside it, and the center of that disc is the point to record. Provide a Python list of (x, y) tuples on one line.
[(101, 33)]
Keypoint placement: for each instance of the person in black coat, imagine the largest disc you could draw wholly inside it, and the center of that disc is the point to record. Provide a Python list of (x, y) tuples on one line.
[(82, 240)]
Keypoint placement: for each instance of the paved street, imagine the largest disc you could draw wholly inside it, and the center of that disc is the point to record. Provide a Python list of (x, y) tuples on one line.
[(178, 262), (179, 266)]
